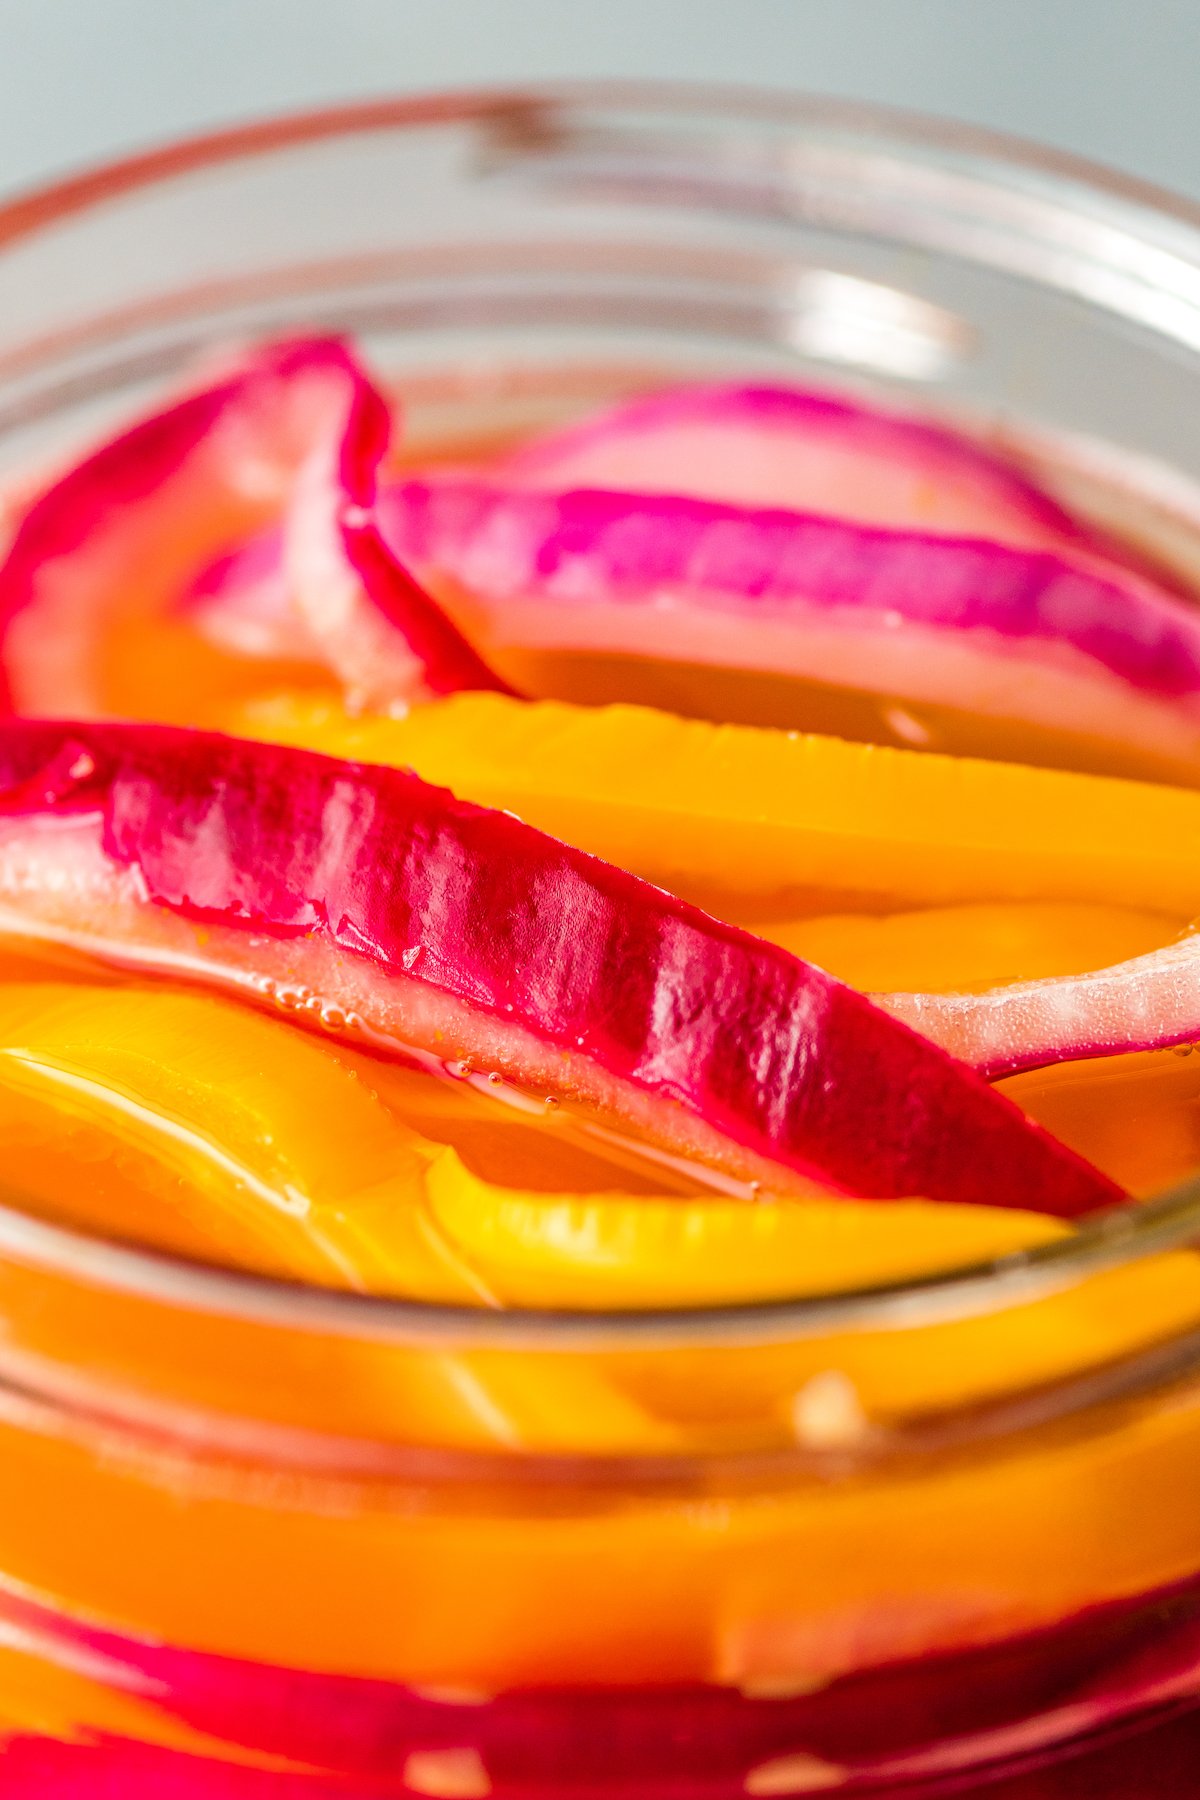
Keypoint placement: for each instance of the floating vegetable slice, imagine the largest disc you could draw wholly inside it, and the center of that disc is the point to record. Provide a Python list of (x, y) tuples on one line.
[(1148, 1003), (1098, 660), (766, 445), (172, 1119), (462, 932), (603, 1250), (761, 824), (386, 639), (99, 599), (730, 814), (113, 540), (1032, 1691), (1002, 633)]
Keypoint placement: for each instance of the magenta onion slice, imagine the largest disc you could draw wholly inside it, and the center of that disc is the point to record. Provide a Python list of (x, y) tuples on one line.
[(383, 636), (1148, 1003), (122, 532), (765, 445), (967, 1708), (1004, 633), (1008, 633), (1085, 1749), (375, 903), (127, 526)]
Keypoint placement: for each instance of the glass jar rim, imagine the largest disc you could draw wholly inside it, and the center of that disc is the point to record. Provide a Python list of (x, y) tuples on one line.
[(42, 203), (1121, 1235)]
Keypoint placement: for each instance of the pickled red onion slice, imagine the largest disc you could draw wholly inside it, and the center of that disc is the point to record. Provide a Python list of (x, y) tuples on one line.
[(125, 528), (1010, 634), (1003, 632), (1033, 1690), (121, 534), (1148, 1003), (765, 445), (381, 904), (383, 636)]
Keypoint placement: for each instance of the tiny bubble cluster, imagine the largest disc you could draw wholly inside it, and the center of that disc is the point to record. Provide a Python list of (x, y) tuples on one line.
[(287, 997)]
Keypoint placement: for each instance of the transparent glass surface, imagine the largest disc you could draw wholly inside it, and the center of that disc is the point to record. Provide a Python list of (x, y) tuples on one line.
[(262, 1541)]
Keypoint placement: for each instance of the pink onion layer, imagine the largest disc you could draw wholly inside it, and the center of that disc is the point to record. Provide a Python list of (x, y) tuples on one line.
[(1010, 633), (123, 532), (763, 445), (979, 1710), (1148, 1003), (380, 632), (954, 622), (1026, 635), (388, 906), (128, 525)]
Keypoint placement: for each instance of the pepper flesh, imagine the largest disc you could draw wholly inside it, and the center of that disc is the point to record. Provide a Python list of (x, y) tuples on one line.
[(767, 823)]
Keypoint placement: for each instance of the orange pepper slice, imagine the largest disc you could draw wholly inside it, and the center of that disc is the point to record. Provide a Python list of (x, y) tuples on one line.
[(762, 823)]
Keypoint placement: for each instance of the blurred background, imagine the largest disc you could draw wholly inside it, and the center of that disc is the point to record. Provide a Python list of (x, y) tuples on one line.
[(1113, 79)]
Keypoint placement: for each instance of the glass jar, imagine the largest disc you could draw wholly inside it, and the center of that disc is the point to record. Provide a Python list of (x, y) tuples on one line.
[(262, 1541)]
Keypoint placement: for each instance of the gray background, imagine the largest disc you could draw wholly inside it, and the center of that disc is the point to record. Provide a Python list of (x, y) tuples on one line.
[(1114, 79)]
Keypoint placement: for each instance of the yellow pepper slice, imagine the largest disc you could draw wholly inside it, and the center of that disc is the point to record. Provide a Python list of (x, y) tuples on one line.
[(763, 824), (181, 1121), (610, 1250)]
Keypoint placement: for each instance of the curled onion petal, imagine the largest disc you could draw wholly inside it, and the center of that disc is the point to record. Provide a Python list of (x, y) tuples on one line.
[(372, 901), (1148, 1003), (770, 446), (118, 538), (120, 533), (380, 632), (1012, 634)]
